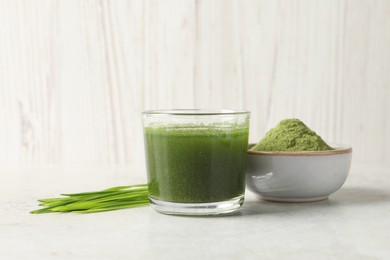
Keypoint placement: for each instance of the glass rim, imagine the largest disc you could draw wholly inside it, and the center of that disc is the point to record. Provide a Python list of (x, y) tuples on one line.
[(195, 112)]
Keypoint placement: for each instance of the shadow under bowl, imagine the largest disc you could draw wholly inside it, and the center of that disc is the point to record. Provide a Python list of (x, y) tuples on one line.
[(298, 176)]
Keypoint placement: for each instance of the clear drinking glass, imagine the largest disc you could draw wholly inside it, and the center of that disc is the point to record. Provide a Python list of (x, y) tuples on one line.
[(196, 160)]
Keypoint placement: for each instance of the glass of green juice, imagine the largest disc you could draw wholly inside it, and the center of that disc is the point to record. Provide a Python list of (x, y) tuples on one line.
[(196, 160)]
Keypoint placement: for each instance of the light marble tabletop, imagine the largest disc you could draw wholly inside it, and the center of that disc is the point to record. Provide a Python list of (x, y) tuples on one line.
[(354, 223)]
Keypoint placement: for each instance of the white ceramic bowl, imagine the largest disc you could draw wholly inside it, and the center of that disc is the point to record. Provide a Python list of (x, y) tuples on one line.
[(298, 176)]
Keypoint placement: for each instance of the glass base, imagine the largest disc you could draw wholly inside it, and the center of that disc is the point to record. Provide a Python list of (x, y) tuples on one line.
[(197, 209)]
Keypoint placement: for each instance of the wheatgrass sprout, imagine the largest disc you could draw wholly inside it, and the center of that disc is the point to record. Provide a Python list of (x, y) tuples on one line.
[(115, 198)]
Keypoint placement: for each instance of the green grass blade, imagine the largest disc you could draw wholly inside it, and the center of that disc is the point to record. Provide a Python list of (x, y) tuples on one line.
[(97, 201), (114, 189), (127, 187), (81, 206), (41, 211), (138, 204)]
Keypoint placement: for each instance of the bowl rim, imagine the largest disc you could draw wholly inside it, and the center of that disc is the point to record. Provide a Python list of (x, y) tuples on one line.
[(339, 149)]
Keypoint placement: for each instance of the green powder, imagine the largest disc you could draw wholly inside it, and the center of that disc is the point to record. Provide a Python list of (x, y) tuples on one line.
[(291, 135)]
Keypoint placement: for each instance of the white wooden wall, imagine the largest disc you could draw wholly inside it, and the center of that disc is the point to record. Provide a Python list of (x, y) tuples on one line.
[(76, 74)]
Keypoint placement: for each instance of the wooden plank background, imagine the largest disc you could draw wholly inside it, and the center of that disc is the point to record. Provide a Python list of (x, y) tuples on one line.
[(76, 74)]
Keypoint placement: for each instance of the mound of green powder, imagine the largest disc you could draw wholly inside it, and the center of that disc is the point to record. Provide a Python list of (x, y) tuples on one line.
[(291, 135)]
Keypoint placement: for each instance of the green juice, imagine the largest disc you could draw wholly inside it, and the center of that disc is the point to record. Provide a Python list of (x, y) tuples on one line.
[(196, 164)]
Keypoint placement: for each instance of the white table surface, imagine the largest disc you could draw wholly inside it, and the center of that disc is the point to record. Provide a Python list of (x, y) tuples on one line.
[(353, 224)]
